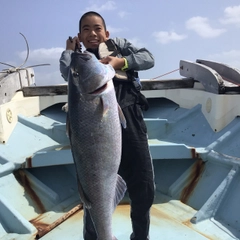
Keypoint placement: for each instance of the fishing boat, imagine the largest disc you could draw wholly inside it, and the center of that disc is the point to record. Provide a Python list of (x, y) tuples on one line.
[(193, 128)]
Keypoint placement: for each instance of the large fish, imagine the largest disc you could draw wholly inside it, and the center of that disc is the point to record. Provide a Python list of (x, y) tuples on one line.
[(94, 125)]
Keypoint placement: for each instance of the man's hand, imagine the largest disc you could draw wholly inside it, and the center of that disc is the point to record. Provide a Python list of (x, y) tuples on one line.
[(117, 63), (71, 43)]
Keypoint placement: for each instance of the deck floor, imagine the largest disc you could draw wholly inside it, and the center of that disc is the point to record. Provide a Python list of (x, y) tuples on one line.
[(162, 224)]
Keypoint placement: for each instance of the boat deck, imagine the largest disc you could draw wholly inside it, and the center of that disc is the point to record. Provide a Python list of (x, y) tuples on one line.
[(45, 203), (165, 216), (196, 170), (161, 225)]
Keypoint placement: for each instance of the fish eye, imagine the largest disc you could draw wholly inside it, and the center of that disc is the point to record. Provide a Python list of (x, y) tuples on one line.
[(75, 74)]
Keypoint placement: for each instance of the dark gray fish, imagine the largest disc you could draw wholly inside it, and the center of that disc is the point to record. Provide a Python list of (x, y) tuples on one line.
[(94, 125)]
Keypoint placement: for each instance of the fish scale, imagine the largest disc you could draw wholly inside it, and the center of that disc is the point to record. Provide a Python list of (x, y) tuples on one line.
[(95, 137)]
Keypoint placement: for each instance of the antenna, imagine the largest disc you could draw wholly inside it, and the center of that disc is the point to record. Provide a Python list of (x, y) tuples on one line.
[(15, 69)]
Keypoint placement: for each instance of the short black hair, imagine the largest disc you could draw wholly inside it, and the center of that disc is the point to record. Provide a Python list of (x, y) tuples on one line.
[(91, 13)]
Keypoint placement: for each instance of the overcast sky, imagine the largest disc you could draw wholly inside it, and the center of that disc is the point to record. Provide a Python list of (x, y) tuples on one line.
[(171, 30)]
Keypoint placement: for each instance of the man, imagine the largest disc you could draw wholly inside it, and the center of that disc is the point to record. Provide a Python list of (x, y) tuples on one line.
[(136, 164)]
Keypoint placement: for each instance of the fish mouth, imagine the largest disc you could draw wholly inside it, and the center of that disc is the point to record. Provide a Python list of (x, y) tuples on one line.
[(100, 89)]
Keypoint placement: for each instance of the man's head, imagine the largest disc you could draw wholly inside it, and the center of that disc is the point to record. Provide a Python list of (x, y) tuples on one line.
[(92, 30)]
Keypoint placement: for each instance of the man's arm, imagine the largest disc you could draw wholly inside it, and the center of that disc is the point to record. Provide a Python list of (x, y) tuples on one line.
[(137, 58), (65, 59)]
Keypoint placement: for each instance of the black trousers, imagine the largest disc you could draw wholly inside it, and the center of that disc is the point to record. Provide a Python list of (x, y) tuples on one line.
[(137, 170)]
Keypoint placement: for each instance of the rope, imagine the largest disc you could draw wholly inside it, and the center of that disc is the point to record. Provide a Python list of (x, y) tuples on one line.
[(166, 74), (224, 78)]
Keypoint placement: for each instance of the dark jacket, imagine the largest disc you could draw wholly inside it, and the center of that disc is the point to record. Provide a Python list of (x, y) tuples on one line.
[(137, 58)]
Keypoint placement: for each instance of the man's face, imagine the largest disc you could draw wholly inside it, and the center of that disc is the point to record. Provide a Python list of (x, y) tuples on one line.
[(92, 32)]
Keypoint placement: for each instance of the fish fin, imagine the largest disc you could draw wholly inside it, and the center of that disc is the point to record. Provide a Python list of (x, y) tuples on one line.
[(105, 106), (65, 107), (120, 190), (67, 126), (121, 117), (84, 199)]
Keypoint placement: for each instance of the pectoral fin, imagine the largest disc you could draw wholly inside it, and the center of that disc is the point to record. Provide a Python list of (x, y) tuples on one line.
[(121, 117), (105, 106)]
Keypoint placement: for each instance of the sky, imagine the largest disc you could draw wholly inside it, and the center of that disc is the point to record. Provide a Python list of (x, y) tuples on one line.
[(170, 30)]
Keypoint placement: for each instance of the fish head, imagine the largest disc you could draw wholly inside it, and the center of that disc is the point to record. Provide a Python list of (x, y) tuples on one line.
[(89, 74)]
